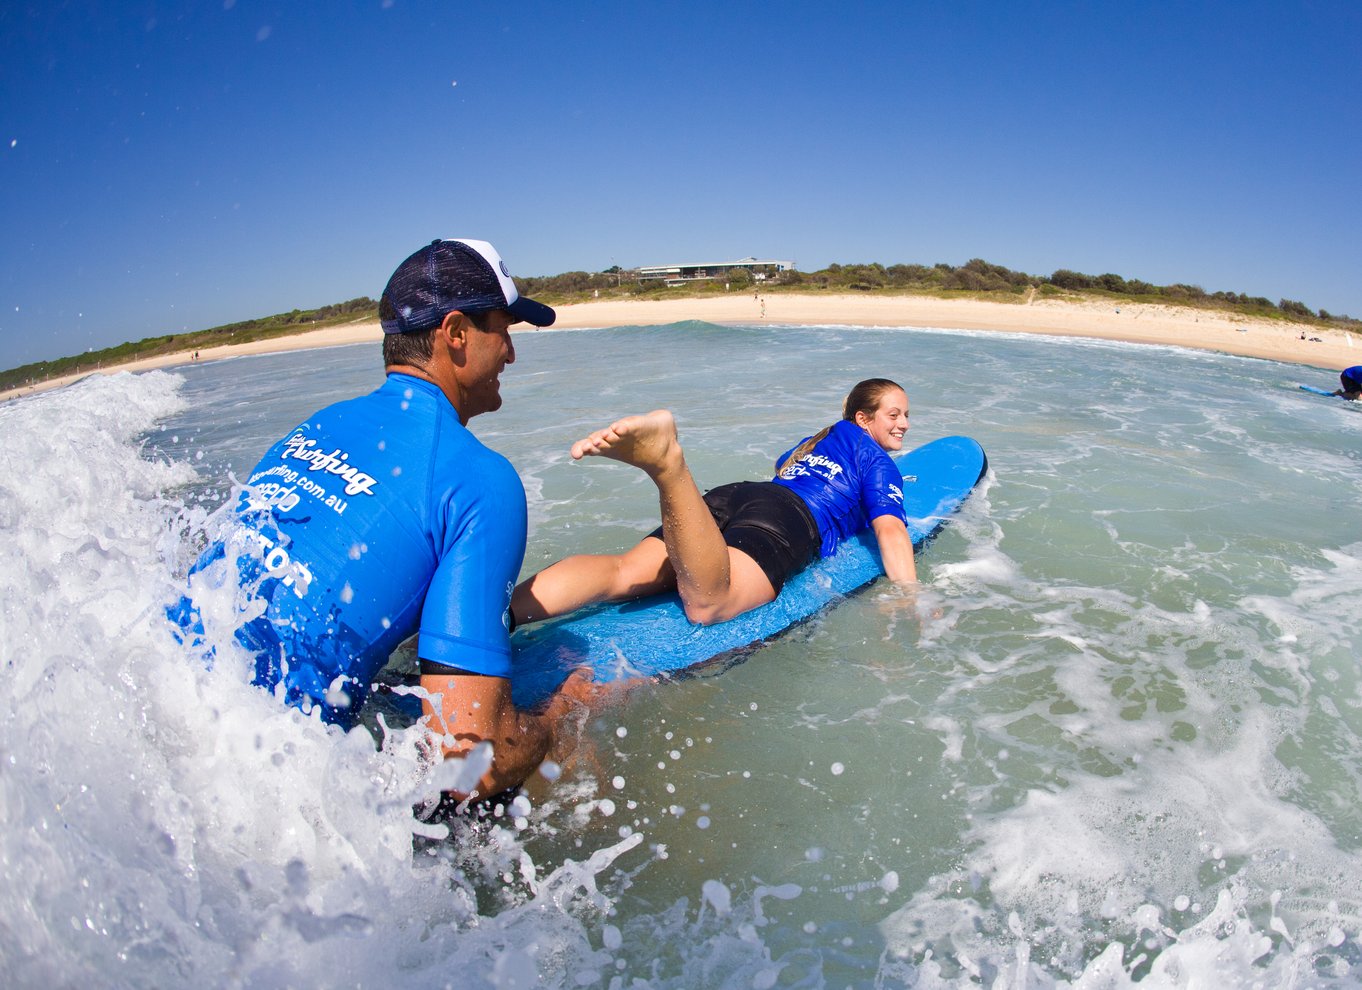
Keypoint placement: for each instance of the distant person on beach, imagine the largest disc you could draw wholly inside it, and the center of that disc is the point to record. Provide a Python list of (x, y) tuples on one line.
[(383, 516), (1350, 383), (732, 549)]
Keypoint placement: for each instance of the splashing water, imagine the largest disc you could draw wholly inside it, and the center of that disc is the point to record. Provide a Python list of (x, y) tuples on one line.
[(1113, 740)]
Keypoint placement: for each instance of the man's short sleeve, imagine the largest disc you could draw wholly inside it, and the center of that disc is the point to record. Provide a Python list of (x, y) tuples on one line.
[(465, 619)]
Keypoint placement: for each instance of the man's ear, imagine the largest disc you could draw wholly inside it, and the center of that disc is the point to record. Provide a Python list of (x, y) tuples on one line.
[(453, 330), (454, 323)]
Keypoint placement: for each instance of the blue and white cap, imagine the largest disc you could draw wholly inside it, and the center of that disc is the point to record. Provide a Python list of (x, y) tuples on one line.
[(445, 275)]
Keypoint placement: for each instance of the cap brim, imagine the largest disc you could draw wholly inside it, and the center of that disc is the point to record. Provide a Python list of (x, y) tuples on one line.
[(529, 311)]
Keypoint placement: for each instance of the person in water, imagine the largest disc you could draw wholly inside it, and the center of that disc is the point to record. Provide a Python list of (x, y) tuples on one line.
[(1350, 382), (732, 550), (383, 515)]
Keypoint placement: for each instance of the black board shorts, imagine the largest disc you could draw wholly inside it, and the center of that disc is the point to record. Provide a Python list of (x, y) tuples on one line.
[(769, 523)]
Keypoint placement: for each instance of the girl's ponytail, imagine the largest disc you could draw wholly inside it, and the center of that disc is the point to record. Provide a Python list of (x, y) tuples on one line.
[(864, 397)]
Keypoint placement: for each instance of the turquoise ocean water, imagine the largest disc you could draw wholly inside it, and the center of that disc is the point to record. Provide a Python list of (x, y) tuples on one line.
[(1114, 740)]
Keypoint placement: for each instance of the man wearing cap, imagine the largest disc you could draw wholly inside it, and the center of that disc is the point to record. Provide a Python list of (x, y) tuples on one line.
[(382, 516)]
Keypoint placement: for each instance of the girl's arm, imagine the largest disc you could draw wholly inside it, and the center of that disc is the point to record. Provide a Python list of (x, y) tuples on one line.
[(896, 549)]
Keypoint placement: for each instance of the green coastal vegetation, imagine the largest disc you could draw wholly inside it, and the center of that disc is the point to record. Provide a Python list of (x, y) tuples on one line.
[(976, 279), (280, 325)]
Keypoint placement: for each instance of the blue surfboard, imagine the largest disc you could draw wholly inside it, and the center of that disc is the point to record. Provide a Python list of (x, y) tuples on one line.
[(652, 636), (1330, 394)]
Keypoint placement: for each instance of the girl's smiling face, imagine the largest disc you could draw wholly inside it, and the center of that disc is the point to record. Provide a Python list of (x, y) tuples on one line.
[(890, 421)]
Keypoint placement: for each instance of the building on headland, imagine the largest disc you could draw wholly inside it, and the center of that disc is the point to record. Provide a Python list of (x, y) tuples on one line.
[(760, 269)]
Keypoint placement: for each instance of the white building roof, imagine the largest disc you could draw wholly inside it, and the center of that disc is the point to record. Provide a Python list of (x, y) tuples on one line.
[(779, 263)]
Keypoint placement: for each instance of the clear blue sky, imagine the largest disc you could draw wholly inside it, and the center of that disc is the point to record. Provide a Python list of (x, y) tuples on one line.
[(175, 165)]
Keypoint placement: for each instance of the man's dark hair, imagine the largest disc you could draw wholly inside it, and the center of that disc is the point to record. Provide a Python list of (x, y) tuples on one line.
[(417, 347), (413, 348)]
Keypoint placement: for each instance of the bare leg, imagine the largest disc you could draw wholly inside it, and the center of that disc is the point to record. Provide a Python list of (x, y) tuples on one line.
[(714, 581), (585, 579), (695, 546)]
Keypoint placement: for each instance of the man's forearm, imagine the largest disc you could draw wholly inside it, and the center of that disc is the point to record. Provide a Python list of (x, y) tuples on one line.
[(465, 710), (518, 750)]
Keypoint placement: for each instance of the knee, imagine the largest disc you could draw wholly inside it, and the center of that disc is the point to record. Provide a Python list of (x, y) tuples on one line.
[(707, 613), (636, 574)]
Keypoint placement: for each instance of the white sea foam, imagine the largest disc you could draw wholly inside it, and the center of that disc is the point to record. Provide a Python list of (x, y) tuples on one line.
[(162, 819)]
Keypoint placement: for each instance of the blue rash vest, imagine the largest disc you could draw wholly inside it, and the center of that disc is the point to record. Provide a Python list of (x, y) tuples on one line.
[(377, 517), (847, 481)]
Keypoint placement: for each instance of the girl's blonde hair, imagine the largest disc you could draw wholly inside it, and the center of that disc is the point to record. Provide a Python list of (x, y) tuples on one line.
[(864, 397)]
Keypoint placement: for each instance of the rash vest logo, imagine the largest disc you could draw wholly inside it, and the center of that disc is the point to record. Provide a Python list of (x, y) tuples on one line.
[(813, 464), (337, 462)]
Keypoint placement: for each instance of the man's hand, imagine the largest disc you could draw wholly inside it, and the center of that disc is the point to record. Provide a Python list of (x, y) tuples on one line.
[(463, 710)]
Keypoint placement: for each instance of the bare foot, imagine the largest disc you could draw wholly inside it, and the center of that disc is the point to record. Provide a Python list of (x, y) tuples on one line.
[(648, 441)]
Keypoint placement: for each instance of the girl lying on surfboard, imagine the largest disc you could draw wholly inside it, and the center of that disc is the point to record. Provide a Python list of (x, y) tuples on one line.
[(732, 549)]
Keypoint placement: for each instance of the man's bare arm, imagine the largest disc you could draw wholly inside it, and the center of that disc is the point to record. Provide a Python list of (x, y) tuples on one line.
[(464, 710)]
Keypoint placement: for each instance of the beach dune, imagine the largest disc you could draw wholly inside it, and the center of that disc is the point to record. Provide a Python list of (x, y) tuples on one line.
[(1137, 323)]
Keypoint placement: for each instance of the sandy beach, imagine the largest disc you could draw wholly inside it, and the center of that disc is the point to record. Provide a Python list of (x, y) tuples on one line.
[(1133, 323)]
